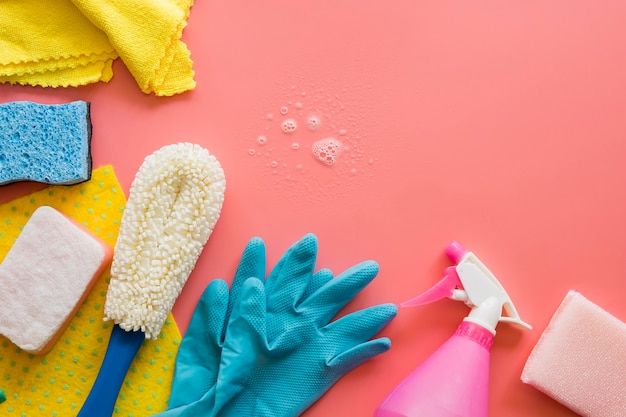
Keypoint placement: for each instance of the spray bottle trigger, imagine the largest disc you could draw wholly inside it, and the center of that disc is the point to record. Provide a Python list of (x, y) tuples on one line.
[(446, 288), (481, 286)]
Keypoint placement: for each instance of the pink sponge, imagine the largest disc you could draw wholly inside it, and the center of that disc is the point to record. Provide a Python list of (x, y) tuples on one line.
[(45, 276), (580, 359)]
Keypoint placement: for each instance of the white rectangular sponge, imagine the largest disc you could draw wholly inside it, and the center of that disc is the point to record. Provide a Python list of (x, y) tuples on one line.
[(45, 276), (580, 359)]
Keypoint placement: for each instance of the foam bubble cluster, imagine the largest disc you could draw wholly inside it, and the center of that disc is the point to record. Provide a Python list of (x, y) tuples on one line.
[(327, 150), (174, 203), (289, 125)]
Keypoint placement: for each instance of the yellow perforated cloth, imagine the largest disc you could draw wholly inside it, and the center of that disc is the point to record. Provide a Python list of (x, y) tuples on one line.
[(57, 383), (74, 42)]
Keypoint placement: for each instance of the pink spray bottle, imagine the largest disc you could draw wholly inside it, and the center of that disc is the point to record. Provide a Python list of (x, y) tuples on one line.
[(454, 380)]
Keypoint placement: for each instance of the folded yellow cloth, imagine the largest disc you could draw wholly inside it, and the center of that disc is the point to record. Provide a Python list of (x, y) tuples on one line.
[(57, 383), (147, 34), (74, 42), (51, 44)]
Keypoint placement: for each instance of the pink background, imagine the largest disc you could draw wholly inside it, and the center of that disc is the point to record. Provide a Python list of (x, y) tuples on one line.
[(498, 124)]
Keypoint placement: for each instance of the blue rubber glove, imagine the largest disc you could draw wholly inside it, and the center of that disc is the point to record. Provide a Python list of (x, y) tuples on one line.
[(281, 351), (198, 358)]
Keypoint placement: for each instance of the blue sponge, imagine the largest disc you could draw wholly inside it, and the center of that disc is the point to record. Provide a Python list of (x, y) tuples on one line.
[(48, 143)]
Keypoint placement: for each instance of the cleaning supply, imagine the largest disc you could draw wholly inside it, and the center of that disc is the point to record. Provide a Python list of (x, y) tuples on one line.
[(454, 380), (174, 203), (281, 352), (57, 382), (199, 356), (153, 53), (46, 275), (48, 143), (198, 359), (580, 359), (74, 42), (52, 44)]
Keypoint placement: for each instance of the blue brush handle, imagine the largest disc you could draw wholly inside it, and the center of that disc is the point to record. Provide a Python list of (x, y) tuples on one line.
[(123, 347)]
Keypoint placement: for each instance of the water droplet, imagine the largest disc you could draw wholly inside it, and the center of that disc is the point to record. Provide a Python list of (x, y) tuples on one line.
[(327, 150), (313, 123), (298, 105), (284, 110), (274, 164), (295, 145), (343, 132), (262, 140), (289, 126)]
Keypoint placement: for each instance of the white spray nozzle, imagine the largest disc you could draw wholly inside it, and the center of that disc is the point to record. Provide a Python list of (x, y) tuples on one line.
[(471, 281)]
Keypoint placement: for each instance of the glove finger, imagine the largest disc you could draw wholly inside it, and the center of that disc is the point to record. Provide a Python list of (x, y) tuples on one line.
[(359, 326), (336, 293), (271, 278), (251, 264), (283, 335), (357, 355), (319, 279), (198, 357), (245, 338), (288, 281)]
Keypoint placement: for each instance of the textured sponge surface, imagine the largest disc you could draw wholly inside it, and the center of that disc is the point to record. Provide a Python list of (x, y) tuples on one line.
[(48, 143), (580, 359), (45, 275)]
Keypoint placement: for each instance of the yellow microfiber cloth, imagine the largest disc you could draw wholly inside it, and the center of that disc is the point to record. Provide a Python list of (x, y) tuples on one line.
[(74, 42), (57, 383), (51, 44)]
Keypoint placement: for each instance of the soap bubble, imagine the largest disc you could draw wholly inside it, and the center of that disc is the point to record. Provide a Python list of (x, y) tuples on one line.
[(262, 140), (284, 110), (327, 150), (313, 122), (289, 126)]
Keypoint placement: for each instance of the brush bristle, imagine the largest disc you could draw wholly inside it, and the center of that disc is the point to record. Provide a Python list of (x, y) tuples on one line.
[(174, 203)]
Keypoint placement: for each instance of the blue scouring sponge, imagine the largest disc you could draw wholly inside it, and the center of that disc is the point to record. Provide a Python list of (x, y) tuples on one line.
[(48, 143)]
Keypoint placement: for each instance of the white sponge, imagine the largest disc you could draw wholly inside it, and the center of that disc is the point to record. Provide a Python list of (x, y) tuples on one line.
[(45, 276)]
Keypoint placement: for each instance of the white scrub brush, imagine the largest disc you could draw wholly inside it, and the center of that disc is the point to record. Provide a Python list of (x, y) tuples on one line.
[(173, 205)]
